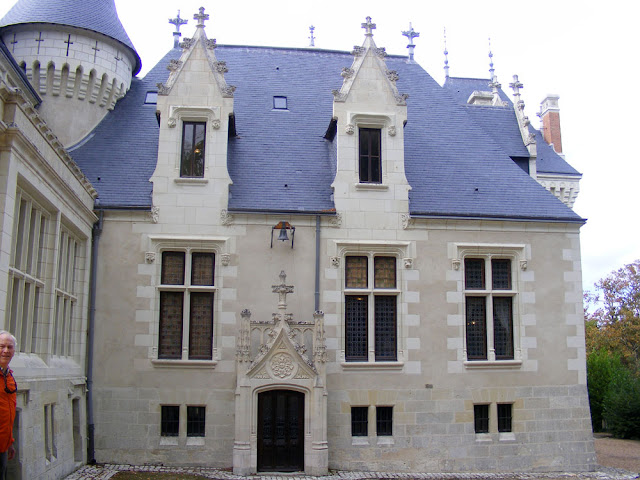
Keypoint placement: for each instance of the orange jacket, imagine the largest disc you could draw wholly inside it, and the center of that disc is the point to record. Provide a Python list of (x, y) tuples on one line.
[(7, 411)]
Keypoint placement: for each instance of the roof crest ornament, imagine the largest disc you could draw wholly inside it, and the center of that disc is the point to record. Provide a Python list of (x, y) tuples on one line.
[(492, 71), (201, 17), (446, 56), (368, 26), (312, 39), (410, 34), (178, 22)]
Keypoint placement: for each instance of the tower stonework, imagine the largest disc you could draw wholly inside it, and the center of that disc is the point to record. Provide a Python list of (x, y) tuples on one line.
[(80, 62)]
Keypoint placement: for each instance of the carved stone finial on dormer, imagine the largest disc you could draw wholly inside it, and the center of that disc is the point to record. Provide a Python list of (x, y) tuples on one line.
[(201, 17), (516, 85), (369, 27), (407, 221), (349, 129), (336, 221), (187, 43), (162, 89), (338, 96), (357, 51), (174, 65), (227, 92), (210, 43), (392, 75), (401, 98), (381, 52), (226, 218), (221, 67), (347, 72)]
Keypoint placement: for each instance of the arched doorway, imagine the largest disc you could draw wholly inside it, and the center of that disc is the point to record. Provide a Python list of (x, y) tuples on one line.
[(280, 431)]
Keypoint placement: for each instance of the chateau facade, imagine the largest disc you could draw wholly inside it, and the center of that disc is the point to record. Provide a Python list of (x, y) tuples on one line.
[(277, 259)]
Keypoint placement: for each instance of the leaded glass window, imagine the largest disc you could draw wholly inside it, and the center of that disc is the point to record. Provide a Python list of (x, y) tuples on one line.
[(193, 143), (489, 308), (370, 170), (384, 421), (169, 420), (359, 421), (481, 418), (371, 305), (195, 421), (186, 305), (504, 417)]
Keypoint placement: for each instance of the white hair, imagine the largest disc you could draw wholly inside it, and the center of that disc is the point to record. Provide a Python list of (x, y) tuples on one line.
[(13, 339)]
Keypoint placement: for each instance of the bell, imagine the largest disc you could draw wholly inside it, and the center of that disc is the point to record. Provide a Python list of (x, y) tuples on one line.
[(283, 235)]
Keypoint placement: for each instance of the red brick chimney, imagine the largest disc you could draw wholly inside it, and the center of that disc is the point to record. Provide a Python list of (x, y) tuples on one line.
[(550, 115)]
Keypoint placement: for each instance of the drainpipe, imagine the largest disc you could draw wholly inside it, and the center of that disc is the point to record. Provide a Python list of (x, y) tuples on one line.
[(95, 237), (317, 295)]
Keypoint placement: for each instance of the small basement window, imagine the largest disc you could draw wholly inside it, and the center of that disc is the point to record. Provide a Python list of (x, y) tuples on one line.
[(151, 98), (280, 103)]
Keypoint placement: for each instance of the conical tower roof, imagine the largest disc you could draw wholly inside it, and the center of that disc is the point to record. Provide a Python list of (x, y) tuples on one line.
[(95, 15)]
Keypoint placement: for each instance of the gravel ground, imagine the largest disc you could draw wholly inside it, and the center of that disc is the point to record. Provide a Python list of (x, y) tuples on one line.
[(616, 453)]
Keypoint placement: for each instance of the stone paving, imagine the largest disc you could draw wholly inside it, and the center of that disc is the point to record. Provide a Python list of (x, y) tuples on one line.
[(106, 471)]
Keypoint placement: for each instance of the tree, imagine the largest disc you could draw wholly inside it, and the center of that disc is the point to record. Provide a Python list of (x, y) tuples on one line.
[(615, 323)]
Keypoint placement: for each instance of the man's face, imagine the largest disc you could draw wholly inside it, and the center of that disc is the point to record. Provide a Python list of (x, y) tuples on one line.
[(7, 349)]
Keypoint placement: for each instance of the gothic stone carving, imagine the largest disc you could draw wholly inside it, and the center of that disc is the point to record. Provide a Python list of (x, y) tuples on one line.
[(174, 65), (221, 67), (226, 218), (347, 72), (155, 214), (392, 131), (162, 89), (282, 365), (211, 43), (335, 262), (226, 259), (187, 43), (150, 257), (350, 129)]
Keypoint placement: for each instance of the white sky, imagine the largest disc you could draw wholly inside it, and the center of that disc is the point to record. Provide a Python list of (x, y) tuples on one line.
[(581, 51)]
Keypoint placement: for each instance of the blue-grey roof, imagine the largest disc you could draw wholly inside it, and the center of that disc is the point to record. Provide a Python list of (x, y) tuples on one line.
[(281, 162), (95, 15)]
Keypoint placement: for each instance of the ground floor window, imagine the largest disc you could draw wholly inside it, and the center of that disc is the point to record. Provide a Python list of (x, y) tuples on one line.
[(481, 418), (169, 420), (195, 421)]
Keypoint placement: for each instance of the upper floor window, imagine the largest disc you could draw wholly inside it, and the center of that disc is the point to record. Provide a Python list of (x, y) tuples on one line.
[(193, 144), (186, 305), (370, 158), (489, 299), (280, 103), (371, 298)]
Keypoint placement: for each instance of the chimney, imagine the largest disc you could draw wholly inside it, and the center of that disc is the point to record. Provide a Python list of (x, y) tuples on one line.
[(550, 115)]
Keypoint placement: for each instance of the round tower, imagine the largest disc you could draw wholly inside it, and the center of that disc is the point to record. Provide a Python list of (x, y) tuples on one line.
[(77, 56)]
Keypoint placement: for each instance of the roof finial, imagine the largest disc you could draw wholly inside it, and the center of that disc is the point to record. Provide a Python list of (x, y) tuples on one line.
[(411, 34), (368, 26), (178, 22), (491, 69), (201, 17), (312, 39), (446, 56), (516, 85)]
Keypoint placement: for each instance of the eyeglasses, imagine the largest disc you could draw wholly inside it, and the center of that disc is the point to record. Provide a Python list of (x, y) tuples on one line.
[(6, 387)]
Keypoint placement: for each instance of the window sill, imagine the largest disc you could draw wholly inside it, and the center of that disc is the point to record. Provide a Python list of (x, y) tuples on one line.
[(195, 441), (492, 364), (483, 437), (170, 441), (363, 441), (371, 186), (507, 437), (372, 366), (184, 363), (385, 441), (191, 181)]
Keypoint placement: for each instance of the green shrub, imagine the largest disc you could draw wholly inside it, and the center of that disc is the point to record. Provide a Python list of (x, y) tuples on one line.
[(621, 406), (601, 367)]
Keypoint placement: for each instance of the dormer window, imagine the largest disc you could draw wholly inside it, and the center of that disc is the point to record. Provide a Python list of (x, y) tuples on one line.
[(193, 143), (370, 163)]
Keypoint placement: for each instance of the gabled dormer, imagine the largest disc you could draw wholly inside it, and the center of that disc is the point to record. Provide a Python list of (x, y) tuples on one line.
[(369, 115), (195, 112)]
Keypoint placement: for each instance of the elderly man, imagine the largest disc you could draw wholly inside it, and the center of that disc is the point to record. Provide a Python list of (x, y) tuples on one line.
[(7, 401)]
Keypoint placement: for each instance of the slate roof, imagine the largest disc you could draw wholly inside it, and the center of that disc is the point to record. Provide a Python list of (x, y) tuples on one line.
[(95, 15), (281, 162)]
